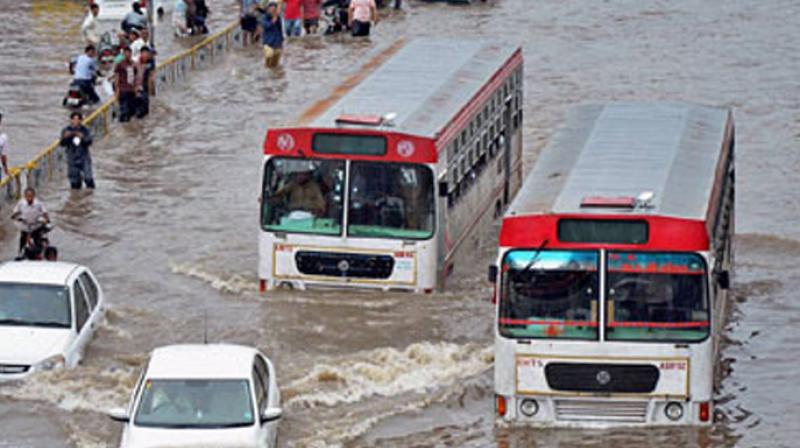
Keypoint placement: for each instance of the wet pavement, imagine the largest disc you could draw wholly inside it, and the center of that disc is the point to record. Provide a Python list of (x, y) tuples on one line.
[(171, 230)]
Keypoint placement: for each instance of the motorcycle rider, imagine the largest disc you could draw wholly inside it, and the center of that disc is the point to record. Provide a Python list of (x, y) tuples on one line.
[(134, 19), (32, 216), (85, 73)]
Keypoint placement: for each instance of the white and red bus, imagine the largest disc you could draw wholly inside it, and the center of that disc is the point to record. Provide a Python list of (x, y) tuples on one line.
[(614, 263), (381, 182)]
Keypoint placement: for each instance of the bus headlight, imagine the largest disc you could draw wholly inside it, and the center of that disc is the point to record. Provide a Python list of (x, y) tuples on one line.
[(673, 411), (528, 407)]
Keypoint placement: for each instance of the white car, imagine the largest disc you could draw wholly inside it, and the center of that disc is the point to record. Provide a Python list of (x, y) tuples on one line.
[(49, 312), (215, 395)]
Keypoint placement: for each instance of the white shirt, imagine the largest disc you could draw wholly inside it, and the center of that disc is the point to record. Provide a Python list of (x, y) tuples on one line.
[(29, 213), (89, 29), (3, 144), (136, 49)]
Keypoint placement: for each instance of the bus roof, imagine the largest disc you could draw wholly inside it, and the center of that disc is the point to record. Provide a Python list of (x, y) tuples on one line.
[(620, 150), (426, 83)]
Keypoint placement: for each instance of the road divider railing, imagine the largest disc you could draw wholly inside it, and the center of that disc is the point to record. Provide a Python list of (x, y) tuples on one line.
[(50, 162)]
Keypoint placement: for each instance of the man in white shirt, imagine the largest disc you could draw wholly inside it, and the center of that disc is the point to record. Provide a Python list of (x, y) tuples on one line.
[(3, 150), (89, 26), (137, 42), (32, 215)]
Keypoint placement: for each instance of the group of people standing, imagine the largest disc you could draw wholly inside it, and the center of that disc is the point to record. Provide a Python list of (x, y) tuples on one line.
[(190, 17), (132, 70), (272, 20)]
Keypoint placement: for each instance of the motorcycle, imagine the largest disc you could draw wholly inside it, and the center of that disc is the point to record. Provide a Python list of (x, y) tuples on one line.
[(37, 242)]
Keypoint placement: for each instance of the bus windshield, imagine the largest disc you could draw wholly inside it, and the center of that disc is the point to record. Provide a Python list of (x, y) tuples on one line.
[(391, 200), (656, 296), (303, 196), (549, 294)]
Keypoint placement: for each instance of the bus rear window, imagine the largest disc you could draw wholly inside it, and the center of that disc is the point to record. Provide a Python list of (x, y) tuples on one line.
[(359, 145), (605, 231)]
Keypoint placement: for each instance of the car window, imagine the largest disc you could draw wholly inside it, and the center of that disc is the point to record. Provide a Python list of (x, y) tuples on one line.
[(81, 308), (263, 372), (91, 289), (258, 387)]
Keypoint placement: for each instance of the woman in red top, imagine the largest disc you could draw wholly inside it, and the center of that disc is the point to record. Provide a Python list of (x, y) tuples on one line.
[(311, 15), (292, 17)]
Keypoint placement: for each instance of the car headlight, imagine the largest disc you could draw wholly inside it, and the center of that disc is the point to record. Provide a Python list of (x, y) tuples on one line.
[(51, 363)]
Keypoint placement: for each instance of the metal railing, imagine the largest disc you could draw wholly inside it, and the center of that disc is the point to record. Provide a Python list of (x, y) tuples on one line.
[(50, 162)]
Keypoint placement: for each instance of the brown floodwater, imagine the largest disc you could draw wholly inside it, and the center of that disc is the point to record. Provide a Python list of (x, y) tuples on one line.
[(171, 229)]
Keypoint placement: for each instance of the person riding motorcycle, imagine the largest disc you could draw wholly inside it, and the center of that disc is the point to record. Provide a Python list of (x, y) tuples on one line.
[(86, 74), (134, 19), (32, 220)]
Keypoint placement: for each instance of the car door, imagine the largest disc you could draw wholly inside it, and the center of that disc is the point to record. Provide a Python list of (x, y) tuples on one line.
[(93, 295), (83, 329)]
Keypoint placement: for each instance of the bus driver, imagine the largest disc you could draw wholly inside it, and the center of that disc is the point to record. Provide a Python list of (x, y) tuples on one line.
[(302, 191)]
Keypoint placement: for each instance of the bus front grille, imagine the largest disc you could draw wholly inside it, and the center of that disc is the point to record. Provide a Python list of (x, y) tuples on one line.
[(602, 378), (346, 265), (601, 411)]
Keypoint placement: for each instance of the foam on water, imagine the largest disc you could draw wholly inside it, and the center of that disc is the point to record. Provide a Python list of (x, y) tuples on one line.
[(82, 389), (389, 372)]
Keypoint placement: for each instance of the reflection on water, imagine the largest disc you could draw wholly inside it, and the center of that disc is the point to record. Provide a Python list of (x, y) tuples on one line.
[(171, 229)]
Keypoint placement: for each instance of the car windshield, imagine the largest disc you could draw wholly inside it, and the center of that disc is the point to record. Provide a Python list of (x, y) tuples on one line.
[(303, 196), (391, 200), (34, 305), (195, 404), (656, 296), (549, 294)]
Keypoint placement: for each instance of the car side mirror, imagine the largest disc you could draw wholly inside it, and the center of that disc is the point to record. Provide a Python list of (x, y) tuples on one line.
[(443, 189), (271, 414), (723, 279), (492, 277), (119, 415)]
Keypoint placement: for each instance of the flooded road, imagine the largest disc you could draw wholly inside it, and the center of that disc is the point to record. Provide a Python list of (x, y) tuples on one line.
[(171, 230)]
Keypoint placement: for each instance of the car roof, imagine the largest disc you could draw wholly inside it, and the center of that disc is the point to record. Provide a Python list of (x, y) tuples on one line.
[(37, 272), (201, 361)]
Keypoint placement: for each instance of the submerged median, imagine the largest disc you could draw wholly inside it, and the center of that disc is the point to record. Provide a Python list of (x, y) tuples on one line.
[(50, 162)]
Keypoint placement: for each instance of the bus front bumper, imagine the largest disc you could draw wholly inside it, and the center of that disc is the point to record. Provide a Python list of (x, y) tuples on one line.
[(599, 412)]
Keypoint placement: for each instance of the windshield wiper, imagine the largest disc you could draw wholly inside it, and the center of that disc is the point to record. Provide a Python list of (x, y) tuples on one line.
[(516, 276), (15, 322), (49, 324)]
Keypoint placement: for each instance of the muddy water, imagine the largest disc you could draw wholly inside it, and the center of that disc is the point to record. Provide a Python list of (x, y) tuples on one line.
[(171, 230)]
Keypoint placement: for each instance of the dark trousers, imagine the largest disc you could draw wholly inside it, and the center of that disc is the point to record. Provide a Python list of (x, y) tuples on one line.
[(142, 105), (361, 28), (79, 170), (87, 88), (127, 106)]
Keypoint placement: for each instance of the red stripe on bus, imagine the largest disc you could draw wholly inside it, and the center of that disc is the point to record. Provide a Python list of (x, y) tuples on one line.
[(565, 323), (658, 324)]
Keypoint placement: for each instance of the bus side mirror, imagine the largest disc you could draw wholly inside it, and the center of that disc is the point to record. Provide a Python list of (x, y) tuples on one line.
[(723, 279), (443, 189), (492, 274)]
